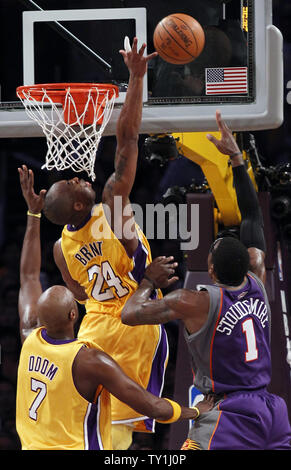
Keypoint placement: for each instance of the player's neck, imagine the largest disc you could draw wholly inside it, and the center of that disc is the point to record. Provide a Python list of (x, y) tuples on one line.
[(63, 335), (81, 218), (219, 284)]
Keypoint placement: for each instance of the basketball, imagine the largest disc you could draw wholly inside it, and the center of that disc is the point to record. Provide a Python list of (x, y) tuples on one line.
[(179, 38)]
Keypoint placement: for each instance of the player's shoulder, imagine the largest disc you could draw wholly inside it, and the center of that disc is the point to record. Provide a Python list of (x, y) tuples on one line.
[(200, 292), (57, 247), (93, 364), (184, 298), (258, 282), (90, 355)]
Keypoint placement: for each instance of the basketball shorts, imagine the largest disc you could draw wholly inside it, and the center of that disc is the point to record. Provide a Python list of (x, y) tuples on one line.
[(141, 351), (255, 420)]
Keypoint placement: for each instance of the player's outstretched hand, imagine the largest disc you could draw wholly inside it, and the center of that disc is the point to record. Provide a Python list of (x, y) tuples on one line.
[(206, 404), (161, 271), (134, 59), (34, 201), (227, 145)]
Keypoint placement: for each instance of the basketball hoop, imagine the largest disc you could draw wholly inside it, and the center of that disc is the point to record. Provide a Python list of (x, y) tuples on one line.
[(73, 117)]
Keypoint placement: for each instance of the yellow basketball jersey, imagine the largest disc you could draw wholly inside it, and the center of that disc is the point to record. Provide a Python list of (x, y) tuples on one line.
[(98, 261), (50, 412)]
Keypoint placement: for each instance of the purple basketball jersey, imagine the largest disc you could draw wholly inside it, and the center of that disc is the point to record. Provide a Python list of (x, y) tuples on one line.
[(231, 357), (232, 350)]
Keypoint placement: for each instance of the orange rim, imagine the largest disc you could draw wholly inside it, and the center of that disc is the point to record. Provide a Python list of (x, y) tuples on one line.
[(57, 90)]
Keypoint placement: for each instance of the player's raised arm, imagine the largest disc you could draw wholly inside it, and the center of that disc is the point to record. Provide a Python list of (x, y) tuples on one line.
[(128, 125), (252, 227), (30, 287)]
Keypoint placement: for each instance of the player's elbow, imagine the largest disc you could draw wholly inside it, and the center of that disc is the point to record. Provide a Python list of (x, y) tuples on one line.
[(127, 317), (27, 277), (28, 321), (127, 136)]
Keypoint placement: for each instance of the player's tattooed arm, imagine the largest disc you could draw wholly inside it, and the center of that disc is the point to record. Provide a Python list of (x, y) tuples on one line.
[(127, 133), (121, 165), (189, 306), (128, 125), (111, 188), (108, 190), (182, 304), (141, 310)]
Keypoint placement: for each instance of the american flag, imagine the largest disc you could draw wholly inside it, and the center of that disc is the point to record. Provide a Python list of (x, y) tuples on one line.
[(227, 81)]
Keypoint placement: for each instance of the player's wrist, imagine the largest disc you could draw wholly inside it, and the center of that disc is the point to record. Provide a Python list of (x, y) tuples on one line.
[(34, 213), (236, 159), (177, 410), (237, 153), (197, 411), (150, 282)]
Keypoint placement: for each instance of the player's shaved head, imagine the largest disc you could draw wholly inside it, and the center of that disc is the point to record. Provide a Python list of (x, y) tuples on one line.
[(57, 309), (59, 204), (69, 201)]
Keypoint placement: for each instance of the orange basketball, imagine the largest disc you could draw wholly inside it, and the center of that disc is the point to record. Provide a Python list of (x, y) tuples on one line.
[(179, 38)]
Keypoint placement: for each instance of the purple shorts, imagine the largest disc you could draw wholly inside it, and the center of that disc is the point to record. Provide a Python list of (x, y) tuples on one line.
[(256, 420)]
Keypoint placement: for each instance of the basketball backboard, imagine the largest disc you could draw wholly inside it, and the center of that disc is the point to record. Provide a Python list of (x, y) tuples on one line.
[(44, 41)]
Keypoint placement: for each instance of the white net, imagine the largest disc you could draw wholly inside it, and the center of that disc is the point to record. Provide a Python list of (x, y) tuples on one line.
[(71, 142)]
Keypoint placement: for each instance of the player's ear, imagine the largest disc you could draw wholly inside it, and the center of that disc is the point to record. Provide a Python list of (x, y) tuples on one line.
[(211, 270), (72, 315), (78, 206)]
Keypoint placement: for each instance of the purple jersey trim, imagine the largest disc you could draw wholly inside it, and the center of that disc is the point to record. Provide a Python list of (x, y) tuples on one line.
[(72, 228), (91, 427), (212, 341), (140, 262), (55, 341), (156, 382), (140, 258)]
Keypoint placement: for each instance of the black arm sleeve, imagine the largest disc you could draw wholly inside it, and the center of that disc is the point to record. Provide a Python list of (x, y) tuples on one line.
[(252, 225)]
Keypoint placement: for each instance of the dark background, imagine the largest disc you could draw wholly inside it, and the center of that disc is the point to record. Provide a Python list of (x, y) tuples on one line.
[(152, 180)]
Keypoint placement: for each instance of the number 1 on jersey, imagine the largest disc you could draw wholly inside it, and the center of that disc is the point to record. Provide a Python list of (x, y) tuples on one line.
[(248, 329)]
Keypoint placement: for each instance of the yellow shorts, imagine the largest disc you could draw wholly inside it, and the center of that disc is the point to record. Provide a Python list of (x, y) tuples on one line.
[(121, 436), (141, 351)]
